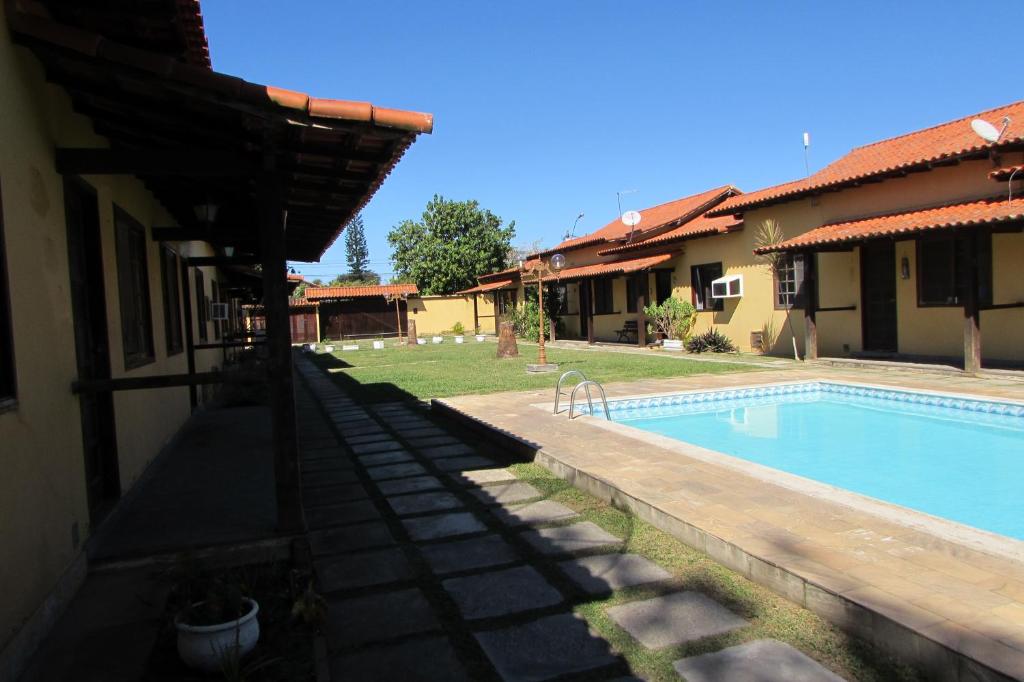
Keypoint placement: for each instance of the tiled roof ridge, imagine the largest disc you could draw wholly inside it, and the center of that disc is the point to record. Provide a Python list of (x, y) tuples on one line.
[(315, 293), (969, 117), (717, 190)]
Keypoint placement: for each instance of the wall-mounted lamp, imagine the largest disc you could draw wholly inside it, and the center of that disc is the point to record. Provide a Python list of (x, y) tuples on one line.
[(904, 268)]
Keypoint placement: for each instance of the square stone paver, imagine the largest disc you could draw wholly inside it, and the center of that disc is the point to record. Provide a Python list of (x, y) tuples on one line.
[(417, 660), (466, 555), (356, 621), (429, 441), (364, 569), (763, 660), (545, 648), (605, 573), (423, 432), (578, 537), (674, 619), (376, 446), (333, 494), (331, 464), (438, 451), (545, 511), (482, 477), (501, 592), (393, 457), (318, 479), (468, 462), (505, 493), (443, 525), (421, 503), (387, 471), (341, 514), (416, 484), (368, 438), (350, 538)]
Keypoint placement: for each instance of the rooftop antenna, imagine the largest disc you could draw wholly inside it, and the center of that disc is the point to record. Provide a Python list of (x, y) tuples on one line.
[(987, 131), (807, 143), (618, 198), (572, 232)]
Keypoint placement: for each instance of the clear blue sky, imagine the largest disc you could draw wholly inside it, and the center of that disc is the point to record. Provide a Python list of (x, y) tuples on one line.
[(545, 109)]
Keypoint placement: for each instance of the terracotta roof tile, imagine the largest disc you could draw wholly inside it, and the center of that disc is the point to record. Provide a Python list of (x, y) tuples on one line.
[(1017, 172), (970, 214), (698, 227), (947, 141), (321, 293), (614, 268), (488, 286), (652, 218)]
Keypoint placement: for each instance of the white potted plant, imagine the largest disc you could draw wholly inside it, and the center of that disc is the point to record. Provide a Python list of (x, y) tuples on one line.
[(220, 628), (438, 339), (350, 346), (672, 320), (378, 344), (480, 338), (459, 332), (420, 342), (328, 348)]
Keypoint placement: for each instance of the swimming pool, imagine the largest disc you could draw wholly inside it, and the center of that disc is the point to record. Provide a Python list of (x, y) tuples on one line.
[(956, 457)]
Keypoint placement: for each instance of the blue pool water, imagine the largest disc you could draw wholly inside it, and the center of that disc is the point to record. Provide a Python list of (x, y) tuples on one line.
[(960, 459)]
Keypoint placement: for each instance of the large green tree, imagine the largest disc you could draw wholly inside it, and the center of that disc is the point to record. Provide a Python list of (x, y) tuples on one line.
[(452, 243), (357, 255)]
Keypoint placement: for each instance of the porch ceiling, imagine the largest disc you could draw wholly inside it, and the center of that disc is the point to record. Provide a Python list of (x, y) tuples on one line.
[(975, 214), (329, 156)]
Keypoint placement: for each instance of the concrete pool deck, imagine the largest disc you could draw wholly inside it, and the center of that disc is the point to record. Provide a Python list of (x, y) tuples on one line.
[(951, 604)]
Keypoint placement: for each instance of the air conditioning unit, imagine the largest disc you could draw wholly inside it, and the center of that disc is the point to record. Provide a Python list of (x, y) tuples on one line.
[(219, 311), (730, 286)]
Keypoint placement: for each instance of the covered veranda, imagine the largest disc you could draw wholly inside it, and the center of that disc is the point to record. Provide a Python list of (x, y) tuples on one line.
[(263, 174), (927, 280)]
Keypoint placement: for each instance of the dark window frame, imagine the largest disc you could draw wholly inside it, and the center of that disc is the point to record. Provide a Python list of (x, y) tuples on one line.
[(8, 371), (604, 296), (200, 287), (133, 290), (796, 267), (215, 298), (958, 244), (169, 271), (698, 275)]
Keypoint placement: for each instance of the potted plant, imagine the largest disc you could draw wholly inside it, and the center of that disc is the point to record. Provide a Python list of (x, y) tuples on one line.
[(479, 337), (438, 339), (378, 344), (459, 332), (420, 342), (222, 627), (671, 320)]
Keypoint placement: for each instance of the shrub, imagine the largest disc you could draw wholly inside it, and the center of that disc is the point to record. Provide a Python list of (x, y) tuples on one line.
[(525, 321), (711, 341), (458, 329), (673, 318)]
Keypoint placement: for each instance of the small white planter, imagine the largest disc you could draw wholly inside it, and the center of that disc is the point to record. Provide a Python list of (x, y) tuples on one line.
[(350, 346), (421, 342), (460, 339), (480, 338), (378, 345), (328, 349), (204, 647), (672, 344), (438, 339)]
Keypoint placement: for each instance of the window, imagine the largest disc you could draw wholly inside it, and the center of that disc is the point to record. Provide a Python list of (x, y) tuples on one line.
[(133, 290), (216, 299), (701, 277), (942, 271), (663, 285), (603, 303), (506, 300), (789, 277), (8, 386), (200, 304), (172, 300)]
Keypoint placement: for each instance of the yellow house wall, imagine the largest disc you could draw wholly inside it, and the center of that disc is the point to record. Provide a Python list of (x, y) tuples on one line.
[(42, 491), (437, 314)]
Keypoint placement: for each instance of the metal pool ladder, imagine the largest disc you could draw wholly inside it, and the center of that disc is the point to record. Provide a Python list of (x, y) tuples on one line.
[(585, 385)]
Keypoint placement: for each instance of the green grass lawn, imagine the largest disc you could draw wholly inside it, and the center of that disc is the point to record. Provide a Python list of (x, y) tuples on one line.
[(438, 371)]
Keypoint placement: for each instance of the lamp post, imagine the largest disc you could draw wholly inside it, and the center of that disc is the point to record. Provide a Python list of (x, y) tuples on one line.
[(540, 270)]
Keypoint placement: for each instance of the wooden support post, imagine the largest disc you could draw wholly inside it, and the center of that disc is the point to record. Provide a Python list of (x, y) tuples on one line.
[(190, 347), (972, 313), (810, 306), (476, 315), (641, 301), (590, 310), (280, 380)]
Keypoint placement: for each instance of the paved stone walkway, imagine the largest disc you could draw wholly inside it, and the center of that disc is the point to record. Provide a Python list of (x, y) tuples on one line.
[(437, 564)]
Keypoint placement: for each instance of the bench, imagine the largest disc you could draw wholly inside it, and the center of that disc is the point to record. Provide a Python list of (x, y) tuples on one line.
[(629, 329)]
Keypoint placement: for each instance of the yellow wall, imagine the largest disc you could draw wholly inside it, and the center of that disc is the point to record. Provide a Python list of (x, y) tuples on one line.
[(42, 490), (437, 314)]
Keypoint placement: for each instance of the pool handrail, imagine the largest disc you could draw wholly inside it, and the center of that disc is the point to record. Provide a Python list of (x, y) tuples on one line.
[(586, 385), (558, 386)]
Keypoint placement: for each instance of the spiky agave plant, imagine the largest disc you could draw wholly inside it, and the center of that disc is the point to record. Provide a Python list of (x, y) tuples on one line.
[(769, 233)]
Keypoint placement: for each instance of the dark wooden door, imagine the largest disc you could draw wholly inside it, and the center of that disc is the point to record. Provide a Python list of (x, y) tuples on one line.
[(662, 285), (92, 352), (878, 296)]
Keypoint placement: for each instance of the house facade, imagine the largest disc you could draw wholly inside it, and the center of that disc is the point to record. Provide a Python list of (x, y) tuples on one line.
[(119, 298)]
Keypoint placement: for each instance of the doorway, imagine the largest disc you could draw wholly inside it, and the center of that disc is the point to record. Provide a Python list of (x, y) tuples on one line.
[(878, 296), (92, 352), (584, 308)]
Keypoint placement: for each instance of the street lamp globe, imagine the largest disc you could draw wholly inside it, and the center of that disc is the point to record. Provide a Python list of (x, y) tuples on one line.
[(558, 261)]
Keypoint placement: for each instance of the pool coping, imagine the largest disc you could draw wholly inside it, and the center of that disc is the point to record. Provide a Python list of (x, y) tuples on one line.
[(953, 531), (941, 646)]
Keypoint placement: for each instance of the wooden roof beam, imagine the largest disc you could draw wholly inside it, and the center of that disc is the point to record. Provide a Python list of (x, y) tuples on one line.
[(192, 162)]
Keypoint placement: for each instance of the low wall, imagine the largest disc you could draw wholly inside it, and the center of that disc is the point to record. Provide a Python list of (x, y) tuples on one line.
[(437, 314)]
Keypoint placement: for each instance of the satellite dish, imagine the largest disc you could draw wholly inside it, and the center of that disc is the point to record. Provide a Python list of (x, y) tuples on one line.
[(631, 218), (985, 130)]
